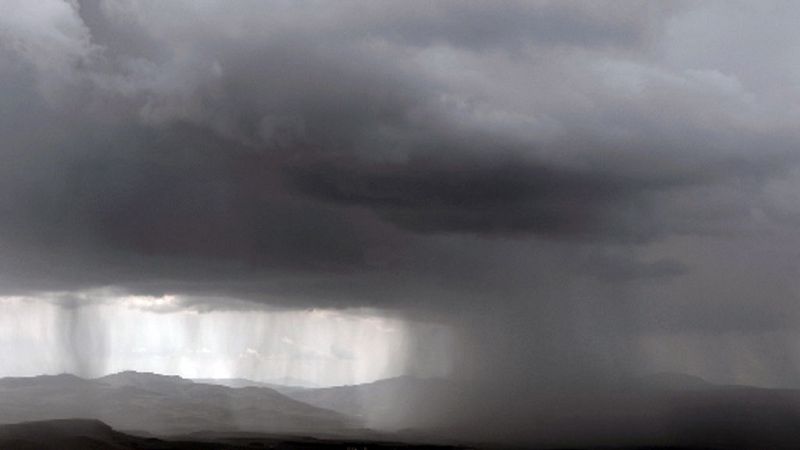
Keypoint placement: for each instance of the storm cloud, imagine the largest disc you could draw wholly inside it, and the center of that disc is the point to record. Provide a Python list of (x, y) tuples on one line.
[(549, 178)]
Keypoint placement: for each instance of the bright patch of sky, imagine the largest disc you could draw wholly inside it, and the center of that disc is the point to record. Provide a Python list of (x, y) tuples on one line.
[(158, 334)]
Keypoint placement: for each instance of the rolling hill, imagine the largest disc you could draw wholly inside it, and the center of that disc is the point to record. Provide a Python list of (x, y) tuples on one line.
[(82, 434), (162, 405)]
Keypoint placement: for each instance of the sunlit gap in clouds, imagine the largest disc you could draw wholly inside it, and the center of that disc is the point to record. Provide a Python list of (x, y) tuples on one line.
[(95, 334)]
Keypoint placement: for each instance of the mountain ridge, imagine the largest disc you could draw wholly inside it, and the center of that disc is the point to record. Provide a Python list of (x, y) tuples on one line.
[(162, 404)]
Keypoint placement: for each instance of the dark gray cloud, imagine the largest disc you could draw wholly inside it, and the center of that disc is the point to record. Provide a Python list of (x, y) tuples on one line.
[(233, 151), (550, 178), (512, 25), (485, 196)]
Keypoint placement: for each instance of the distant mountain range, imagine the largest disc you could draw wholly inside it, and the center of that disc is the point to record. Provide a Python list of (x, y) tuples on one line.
[(666, 410), (162, 405)]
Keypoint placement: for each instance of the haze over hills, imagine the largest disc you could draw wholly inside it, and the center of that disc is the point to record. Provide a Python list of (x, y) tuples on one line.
[(663, 409), (394, 403), (672, 380), (407, 402), (244, 382)]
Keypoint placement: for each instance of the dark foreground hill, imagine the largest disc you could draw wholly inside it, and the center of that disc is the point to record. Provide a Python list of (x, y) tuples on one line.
[(161, 404), (83, 434)]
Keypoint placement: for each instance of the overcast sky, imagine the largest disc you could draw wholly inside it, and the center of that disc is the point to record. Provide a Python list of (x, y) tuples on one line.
[(572, 188)]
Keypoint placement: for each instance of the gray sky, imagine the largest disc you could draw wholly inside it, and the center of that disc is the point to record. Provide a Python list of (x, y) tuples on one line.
[(576, 189)]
